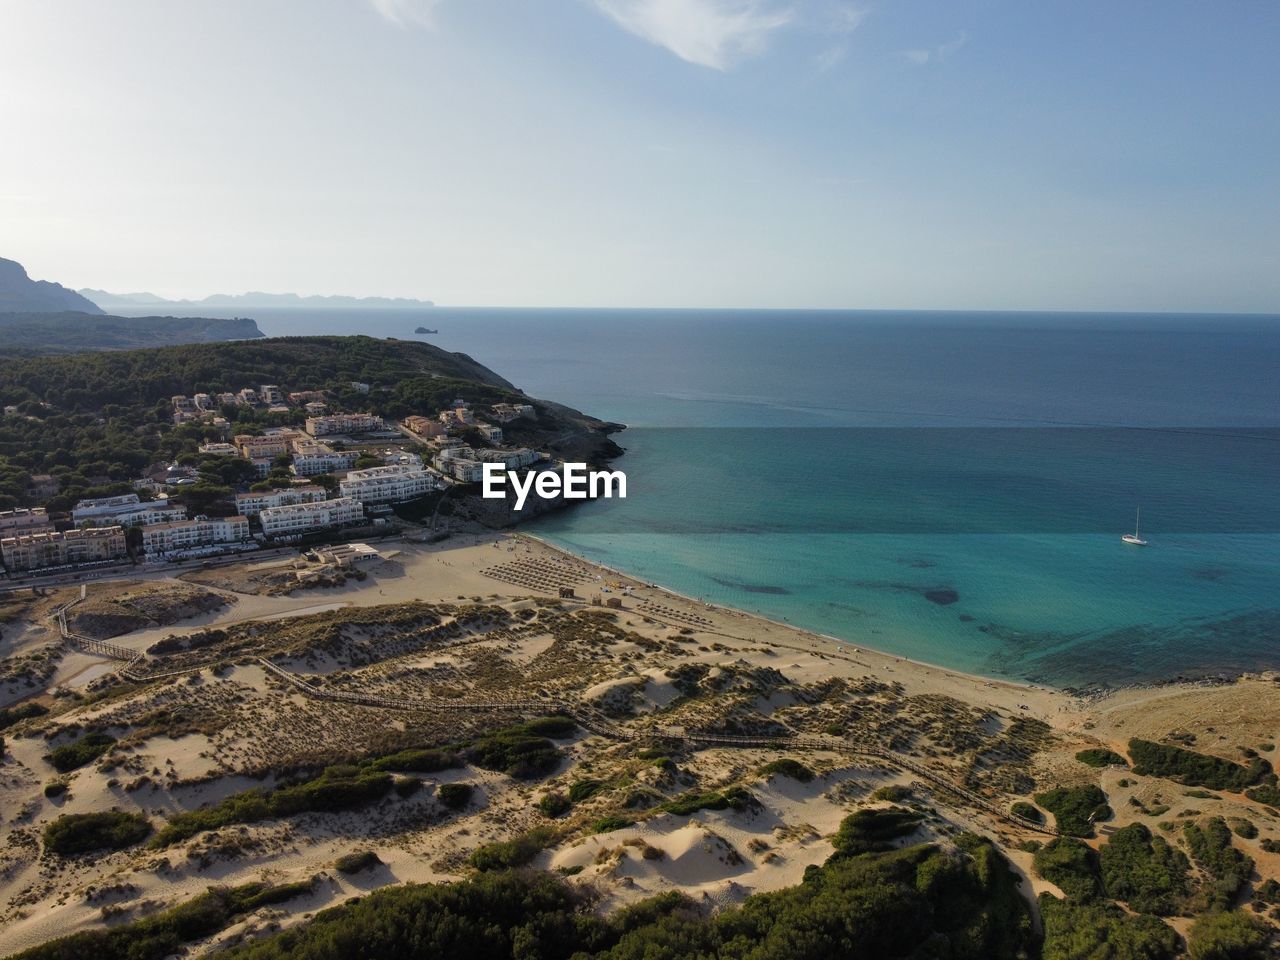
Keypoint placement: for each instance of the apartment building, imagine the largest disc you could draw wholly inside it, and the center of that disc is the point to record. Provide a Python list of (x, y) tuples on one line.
[(36, 551), (393, 484), (310, 459), (267, 447), (14, 523), (299, 518), (457, 418), (253, 503), (271, 395), (343, 423), (161, 538), (219, 449), (125, 510), (424, 426), (490, 432), (506, 412)]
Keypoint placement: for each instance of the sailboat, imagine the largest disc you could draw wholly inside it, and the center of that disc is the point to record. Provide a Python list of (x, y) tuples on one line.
[(1133, 537)]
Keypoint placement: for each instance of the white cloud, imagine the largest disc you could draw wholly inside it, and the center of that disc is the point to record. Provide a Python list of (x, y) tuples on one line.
[(936, 54), (845, 18), (405, 12), (711, 33)]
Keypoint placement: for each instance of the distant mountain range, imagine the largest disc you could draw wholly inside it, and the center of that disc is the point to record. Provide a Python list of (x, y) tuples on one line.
[(253, 300), (20, 294)]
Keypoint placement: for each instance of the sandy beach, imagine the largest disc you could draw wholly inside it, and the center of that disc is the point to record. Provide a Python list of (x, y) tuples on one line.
[(767, 670)]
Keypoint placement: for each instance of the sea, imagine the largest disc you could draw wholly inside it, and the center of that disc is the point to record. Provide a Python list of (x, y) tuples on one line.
[(945, 486)]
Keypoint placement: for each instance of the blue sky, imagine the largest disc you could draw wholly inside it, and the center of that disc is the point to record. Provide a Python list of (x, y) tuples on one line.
[(974, 154)]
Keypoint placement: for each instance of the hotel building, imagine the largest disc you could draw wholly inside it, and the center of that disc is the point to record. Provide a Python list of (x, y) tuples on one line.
[(302, 518), (162, 538), (393, 484), (35, 551)]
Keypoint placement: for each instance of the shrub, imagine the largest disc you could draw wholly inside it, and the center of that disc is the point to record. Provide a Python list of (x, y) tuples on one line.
[(556, 727), (74, 833), (1094, 931), (875, 829), (338, 788), (1144, 871), (1245, 829), (78, 753), (516, 752), (1267, 793), (787, 767), (455, 796), (357, 862), (1228, 936), (584, 789), (1075, 808), (610, 823), (55, 788), (1195, 769), (516, 852), (1027, 811), (554, 804), (1100, 757), (736, 798), (418, 761), (893, 793), (1071, 866), (1227, 867)]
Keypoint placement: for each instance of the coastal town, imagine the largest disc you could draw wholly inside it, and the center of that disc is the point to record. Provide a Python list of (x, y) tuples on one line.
[(329, 475)]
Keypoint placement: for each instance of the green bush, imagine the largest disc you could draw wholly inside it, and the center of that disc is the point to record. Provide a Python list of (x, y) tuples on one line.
[(517, 752), (338, 788), (1027, 811), (1267, 793), (74, 833), (787, 767), (1228, 936), (1075, 809), (357, 862), (418, 761), (1227, 868), (554, 804), (736, 798), (1071, 866), (556, 727), (584, 789), (1144, 871), (610, 823), (874, 830), (55, 788), (516, 852), (1097, 931), (1194, 769), (1100, 757), (74, 755), (455, 796)]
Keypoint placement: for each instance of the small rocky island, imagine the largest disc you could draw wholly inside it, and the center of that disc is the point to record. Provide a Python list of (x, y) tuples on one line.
[(425, 330)]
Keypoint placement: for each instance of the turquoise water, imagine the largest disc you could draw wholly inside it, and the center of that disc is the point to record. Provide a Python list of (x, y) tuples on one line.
[(948, 487)]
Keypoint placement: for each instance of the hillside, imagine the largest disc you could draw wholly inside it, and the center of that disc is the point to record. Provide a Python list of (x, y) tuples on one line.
[(36, 334), (95, 421), (19, 293)]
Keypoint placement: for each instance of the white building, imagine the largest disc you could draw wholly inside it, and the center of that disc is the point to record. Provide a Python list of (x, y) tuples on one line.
[(312, 459), (219, 449), (302, 518), (490, 432), (343, 423), (163, 538), (253, 503), (393, 484), (125, 510), (271, 394)]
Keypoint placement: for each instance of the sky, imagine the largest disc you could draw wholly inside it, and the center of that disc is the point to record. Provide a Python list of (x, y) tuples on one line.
[(966, 154)]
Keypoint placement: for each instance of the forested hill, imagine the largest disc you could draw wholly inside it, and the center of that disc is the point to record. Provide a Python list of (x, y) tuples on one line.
[(89, 382), (96, 421), (38, 334)]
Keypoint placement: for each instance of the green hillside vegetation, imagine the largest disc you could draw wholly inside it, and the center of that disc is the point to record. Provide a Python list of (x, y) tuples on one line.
[(96, 420), (917, 902), (1195, 769), (165, 934), (1226, 867), (1102, 931), (1144, 871), (1229, 936)]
